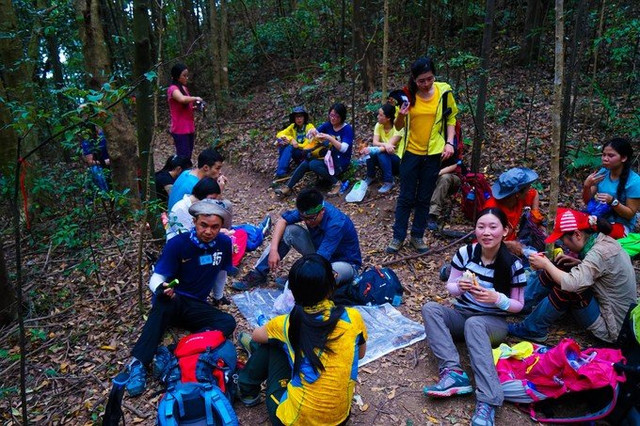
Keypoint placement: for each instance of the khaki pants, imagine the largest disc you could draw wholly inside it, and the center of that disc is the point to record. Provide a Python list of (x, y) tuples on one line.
[(446, 185)]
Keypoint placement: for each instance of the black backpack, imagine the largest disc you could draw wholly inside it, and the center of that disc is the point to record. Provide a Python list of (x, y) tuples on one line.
[(373, 287)]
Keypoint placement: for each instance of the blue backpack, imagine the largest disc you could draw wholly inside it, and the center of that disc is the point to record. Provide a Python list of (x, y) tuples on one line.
[(373, 287), (195, 403), (200, 375)]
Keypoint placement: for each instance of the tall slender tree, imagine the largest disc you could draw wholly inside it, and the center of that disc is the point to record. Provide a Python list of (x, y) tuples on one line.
[(556, 112), (479, 136), (120, 133)]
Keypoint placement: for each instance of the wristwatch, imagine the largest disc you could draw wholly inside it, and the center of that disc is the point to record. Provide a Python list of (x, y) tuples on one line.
[(615, 202)]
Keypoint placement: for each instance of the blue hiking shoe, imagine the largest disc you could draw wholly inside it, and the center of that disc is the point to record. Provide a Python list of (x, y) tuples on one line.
[(451, 383), (386, 187), (520, 331), (484, 415), (265, 225), (137, 378)]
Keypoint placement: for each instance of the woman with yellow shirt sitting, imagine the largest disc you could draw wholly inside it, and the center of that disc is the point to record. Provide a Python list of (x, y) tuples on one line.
[(309, 358), (430, 119)]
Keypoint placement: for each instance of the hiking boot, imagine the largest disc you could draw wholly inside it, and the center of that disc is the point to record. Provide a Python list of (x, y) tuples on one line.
[(161, 362), (281, 282), (283, 191), (221, 302), (519, 330), (335, 189), (432, 223), (451, 383), (250, 401), (251, 279), (137, 378), (394, 246), (418, 244), (369, 180), (484, 415), (386, 187), (265, 225), (244, 339)]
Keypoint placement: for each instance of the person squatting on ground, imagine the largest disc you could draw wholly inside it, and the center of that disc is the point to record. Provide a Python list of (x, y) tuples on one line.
[(488, 283), (447, 185), (292, 141), (195, 259), (384, 153), (309, 358), (209, 165), (613, 192), (512, 193), (424, 117), (597, 290), (165, 177), (181, 104), (337, 136), (329, 232)]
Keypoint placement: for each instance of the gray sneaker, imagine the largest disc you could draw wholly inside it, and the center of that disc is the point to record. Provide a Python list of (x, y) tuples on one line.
[(419, 245), (394, 246)]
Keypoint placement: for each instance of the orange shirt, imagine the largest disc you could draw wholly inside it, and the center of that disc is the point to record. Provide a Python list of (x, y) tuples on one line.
[(514, 213)]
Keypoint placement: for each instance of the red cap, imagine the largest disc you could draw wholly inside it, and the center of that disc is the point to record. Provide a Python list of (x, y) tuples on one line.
[(568, 220)]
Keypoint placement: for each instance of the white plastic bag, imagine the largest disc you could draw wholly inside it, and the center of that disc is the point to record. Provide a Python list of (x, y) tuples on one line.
[(358, 192), (284, 302)]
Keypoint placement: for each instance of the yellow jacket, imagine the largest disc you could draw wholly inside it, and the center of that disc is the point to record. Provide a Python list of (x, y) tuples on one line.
[(437, 139)]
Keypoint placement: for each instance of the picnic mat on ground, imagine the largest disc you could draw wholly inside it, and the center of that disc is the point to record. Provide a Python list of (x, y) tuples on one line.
[(388, 329)]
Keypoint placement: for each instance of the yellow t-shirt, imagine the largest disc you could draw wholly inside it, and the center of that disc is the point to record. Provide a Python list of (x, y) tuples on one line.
[(325, 398), (385, 137), (423, 115)]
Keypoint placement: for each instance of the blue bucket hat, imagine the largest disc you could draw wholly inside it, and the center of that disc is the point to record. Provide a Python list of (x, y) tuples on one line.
[(512, 181), (298, 110)]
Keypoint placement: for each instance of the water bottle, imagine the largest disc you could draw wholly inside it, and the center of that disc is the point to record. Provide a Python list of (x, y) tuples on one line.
[(344, 186), (471, 196), (261, 318), (573, 360)]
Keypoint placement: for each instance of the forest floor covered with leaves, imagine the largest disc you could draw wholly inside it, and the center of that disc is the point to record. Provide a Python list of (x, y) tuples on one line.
[(82, 324)]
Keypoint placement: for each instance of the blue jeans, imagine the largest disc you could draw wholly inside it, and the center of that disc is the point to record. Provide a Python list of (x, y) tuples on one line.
[(286, 154), (316, 166), (537, 322), (388, 163), (418, 176), (534, 292), (298, 237)]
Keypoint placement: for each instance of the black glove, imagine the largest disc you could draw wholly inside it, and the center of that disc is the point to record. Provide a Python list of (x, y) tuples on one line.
[(160, 292)]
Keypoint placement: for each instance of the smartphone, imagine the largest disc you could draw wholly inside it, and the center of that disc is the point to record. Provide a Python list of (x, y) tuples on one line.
[(405, 105)]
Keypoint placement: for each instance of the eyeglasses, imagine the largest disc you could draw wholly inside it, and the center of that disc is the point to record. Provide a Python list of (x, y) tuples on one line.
[(333, 115)]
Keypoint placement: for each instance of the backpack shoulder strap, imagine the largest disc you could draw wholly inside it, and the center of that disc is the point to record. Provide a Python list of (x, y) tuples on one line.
[(215, 401)]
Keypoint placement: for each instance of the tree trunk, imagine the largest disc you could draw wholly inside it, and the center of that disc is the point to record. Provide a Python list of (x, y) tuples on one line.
[(479, 138), (215, 50), (8, 305), (144, 102), (529, 48), (120, 133), (385, 51), (363, 52), (556, 111), (573, 73), (224, 49)]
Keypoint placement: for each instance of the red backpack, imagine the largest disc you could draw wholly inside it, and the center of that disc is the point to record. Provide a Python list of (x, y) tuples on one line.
[(474, 193)]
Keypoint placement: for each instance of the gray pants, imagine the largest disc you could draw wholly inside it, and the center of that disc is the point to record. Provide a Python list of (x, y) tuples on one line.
[(299, 238), (443, 324), (446, 185)]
